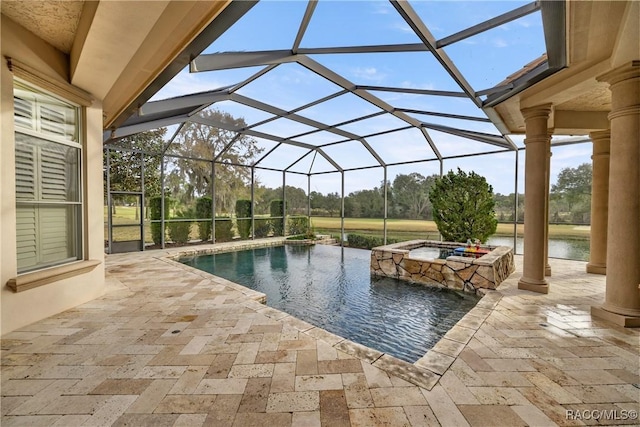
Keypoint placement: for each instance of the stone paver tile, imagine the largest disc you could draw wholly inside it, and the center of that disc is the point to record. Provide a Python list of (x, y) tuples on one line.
[(224, 411), (456, 390), (444, 408), (132, 368), (283, 378), (146, 420), (460, 334), (325, 351), (24, 387), (158, 372), (556, 412), (110, 411), (532, 415), (333, 408), (190, 420), (413, 374), (255, 395), (357, 391), (421, 416), (307, 362), (43, 398), (151, 397), (504, 379), (369, 417), (435, 362), (278, 356), (599, 394), (293, 401), (9, 403), (595, 376), (474, 361), (221, 366), (511, 365), (375, 377), (262, 419), (189, 380), (297, 345), (251, 371), (247, 353), (397, 396), (498, 396), (626, 376), (192, 360), (339, 366), (222, 386), (318, 382), (629, 390), (185, 404), (552, 372), (68, 405), (122, 386), (306, 419), (491, 416), (30, 420), (72, 421), (560, 394), (448, 347), (359, 351)]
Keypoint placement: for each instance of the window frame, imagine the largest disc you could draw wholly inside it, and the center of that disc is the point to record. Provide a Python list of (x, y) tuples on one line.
[(76, 207)]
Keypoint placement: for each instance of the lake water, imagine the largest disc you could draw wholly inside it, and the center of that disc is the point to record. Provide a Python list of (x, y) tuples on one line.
[(576, 249)]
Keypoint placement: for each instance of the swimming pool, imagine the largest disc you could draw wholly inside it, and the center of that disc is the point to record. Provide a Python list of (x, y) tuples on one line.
[(332, 288)]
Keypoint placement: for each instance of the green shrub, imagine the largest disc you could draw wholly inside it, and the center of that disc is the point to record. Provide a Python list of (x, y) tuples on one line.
[(155, 207), (262, 227), (463, 207), (365, 241), (298, 225), (243, 217), (276, 210), (203, 210), (179, 231), (223, 229)]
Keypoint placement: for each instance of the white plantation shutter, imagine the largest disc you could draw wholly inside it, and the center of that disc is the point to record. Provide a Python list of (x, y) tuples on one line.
[(47, 182), (24, 112)]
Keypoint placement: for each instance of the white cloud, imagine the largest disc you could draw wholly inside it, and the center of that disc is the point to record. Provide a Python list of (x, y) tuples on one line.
[(368, 73), (499, 42)]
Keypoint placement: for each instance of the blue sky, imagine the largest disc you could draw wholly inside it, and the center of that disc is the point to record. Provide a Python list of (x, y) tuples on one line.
[(484, 59)]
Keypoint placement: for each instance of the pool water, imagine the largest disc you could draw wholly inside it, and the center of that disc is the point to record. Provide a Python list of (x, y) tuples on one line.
[(332, 288), (431, 253)]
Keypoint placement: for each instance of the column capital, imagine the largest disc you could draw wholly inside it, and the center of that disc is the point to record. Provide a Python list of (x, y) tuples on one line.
[(543, 110), (628, 71), (600, 135)]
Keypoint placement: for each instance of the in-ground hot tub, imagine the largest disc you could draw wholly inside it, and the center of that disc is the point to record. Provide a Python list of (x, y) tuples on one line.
[(404, 261)]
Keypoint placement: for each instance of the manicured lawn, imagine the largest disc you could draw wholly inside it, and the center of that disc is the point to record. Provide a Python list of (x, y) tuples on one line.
[(396, 228)]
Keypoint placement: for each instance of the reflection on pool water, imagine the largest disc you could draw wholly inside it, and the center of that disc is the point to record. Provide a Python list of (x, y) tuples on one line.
[(430, 253), (332, 288)]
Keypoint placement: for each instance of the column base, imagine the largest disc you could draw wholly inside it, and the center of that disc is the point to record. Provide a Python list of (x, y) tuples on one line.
[(547, 271), (597, 269), (539, 286), (618, 319)]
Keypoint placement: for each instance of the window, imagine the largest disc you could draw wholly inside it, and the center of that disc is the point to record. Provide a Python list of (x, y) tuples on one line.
[(48, 184)]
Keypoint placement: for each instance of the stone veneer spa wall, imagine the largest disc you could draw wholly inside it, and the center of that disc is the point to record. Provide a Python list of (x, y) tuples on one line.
[(456, 272)]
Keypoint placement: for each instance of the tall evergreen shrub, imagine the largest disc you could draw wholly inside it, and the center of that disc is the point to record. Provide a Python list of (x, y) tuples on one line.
[(203, 210), (155, 206), (243, 215), (276, 209)]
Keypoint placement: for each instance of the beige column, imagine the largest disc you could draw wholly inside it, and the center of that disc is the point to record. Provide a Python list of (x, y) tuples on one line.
[(547, 267), (537, 146), (599, 202), (622, 298)]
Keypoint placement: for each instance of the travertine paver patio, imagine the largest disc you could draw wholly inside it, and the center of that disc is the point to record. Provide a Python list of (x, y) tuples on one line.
[(170, 346)]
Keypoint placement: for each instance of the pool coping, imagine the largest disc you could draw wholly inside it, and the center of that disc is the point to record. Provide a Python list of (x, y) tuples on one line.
[(425, 372)]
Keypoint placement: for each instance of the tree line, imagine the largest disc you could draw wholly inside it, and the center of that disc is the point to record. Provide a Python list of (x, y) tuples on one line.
[(187, 180)]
